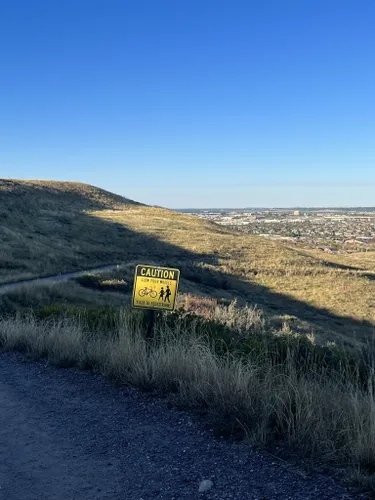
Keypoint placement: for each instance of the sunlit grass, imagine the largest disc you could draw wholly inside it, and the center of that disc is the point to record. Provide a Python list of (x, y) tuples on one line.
[(47, 228)]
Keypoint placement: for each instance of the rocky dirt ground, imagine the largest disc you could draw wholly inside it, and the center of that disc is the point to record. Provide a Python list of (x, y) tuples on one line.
[(70, 434)]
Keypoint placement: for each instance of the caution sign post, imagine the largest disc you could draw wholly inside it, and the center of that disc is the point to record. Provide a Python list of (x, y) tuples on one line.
[(155, 287)]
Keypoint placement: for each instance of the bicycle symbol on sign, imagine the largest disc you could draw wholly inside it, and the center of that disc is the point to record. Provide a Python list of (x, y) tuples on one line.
[(147, 291)]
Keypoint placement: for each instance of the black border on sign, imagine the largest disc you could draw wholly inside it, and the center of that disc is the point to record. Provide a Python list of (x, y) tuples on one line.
[(156, 267)]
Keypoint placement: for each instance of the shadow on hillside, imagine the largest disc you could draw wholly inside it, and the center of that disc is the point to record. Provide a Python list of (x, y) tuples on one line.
[(112, 242), (344, 267), (142, 248), (335, 265)]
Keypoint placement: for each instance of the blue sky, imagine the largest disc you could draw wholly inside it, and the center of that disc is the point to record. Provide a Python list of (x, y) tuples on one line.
[(192, 103)]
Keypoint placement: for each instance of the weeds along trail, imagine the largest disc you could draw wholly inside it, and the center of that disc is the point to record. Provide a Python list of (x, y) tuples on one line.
[(321, 414)]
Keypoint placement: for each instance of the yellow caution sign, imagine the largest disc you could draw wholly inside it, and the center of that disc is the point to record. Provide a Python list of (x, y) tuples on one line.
[(155, 287)]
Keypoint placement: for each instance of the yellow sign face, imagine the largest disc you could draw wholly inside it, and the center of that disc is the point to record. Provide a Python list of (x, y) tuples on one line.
[(155, 287)]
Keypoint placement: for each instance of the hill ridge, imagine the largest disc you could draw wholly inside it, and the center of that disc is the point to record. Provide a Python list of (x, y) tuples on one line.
[(79, 195)]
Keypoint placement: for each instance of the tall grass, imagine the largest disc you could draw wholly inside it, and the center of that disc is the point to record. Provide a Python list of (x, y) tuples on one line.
[(327, 417), (52, 227)]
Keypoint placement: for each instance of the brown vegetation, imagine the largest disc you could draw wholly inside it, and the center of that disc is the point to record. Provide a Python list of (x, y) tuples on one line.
[(272, 340), (51, 227), (317, 410)]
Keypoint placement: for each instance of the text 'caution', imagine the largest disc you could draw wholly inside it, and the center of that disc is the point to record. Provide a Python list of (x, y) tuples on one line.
[(155, 287)]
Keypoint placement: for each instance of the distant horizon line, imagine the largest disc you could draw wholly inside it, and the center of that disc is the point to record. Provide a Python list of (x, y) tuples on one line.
[(337, 207)]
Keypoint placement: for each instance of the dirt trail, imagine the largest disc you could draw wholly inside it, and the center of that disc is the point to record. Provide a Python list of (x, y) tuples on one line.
[(53, 279), (69, 434)]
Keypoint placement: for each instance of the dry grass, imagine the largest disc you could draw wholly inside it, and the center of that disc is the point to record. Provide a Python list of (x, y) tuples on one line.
[(325, 417), (242, 320), (69, 293), (49, 227), (256, 295), (267, 273), (46, 228)]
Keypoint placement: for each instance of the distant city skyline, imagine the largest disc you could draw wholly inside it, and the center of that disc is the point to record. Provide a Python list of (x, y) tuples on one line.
[(278, 208), (193, 104)]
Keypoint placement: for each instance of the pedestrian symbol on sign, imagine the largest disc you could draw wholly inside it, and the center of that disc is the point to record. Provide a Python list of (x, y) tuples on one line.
[(155, 287)]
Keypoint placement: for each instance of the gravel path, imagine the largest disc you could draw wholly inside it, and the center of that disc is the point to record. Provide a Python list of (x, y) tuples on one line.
[(66, 434)]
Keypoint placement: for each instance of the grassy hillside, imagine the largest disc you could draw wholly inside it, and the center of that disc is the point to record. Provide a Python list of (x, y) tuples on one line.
[(52, 227), (46, 227), (252, 340)]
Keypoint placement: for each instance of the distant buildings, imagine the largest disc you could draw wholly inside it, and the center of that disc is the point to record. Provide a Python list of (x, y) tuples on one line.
[(330, 231)]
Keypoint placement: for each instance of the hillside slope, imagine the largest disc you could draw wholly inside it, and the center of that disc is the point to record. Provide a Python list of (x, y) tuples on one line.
[(52, 227), (45, 227), (61, 196)]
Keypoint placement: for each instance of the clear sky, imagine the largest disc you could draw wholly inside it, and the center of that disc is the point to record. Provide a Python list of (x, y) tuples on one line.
[(192, 103)]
